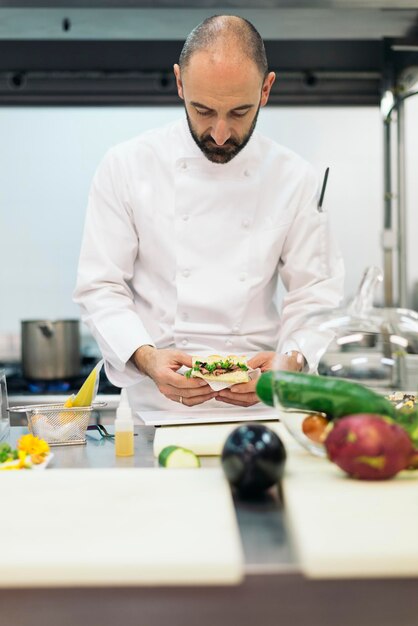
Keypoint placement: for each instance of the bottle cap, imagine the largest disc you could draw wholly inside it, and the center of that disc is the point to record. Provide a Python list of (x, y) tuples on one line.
[(124, 411)]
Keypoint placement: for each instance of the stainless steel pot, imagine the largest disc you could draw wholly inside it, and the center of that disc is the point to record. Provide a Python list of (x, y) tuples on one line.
[(50, 349)]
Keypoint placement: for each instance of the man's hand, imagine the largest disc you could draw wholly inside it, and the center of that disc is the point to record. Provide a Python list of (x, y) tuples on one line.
[(244, 394), (162, 366), (290, 362)]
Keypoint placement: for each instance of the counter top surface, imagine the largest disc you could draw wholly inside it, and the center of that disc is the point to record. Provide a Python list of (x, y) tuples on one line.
[(274, 591), (261, 524)]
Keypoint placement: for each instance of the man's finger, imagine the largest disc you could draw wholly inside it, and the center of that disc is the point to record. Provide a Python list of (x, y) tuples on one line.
[(263, 360), (255, 362), (192, 401), (169, 390), (184, 359), (243, 387), (238, 397), (199, 399), (237, 402), (178, 380)]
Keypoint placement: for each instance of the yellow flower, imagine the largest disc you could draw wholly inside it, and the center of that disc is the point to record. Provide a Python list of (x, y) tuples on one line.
[(23, 461), (25, 443), (37, 448)]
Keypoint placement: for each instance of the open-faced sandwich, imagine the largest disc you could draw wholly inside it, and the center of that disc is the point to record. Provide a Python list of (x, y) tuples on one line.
[(229, 369)]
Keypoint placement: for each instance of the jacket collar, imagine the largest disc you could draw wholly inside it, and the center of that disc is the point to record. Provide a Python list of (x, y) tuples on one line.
[(186, 148)]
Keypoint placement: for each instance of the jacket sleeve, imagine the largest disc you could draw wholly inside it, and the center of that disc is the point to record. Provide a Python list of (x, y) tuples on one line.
[(108, 252), (312, 272)]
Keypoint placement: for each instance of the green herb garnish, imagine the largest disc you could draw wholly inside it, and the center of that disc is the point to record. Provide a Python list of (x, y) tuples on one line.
[(227, 364), (5, 452)]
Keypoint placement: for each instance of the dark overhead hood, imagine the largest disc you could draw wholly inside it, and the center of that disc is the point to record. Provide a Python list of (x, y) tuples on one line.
[(113, 52)]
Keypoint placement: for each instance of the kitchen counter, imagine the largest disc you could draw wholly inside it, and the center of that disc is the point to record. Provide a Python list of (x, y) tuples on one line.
[(273, 592), (263, 535)]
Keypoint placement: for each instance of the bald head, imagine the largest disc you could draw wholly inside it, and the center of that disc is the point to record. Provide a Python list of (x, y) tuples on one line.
[(226, 36)]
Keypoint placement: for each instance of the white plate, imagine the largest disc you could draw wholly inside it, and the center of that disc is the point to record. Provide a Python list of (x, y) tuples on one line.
[(34, 466)]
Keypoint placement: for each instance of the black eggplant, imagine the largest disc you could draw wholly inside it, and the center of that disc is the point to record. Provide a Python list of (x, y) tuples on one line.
[(253, 459)]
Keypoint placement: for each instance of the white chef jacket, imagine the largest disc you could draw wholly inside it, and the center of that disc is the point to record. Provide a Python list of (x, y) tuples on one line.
[(182, 252)]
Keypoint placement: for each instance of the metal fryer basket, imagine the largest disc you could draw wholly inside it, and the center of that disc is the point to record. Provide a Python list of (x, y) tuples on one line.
[(56, 424)]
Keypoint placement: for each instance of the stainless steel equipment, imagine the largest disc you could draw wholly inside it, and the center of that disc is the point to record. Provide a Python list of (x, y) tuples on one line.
[(4, 417), (57, 424), (50, 349)]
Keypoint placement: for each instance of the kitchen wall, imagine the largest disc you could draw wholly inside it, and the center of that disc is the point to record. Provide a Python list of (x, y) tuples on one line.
[(48, 157)]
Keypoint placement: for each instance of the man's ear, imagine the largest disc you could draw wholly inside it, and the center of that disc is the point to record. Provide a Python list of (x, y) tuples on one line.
[(266, 88), (179, 84)]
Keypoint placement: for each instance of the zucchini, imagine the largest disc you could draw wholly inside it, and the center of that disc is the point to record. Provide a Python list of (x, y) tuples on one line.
[(264, 388), (333, 396), (176, 457)]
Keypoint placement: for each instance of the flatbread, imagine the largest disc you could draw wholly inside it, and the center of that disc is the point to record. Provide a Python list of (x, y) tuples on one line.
[(237, 376)]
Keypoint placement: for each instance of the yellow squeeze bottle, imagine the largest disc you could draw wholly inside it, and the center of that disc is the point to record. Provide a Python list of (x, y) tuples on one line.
[(124, 427)]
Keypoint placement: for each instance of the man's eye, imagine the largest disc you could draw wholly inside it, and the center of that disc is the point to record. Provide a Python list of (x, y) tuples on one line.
[(204, 113), (239, 113)]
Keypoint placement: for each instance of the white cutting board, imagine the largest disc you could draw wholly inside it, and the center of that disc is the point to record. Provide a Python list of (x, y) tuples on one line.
[(207, 440), (346, 528), (206, 416), (118, 527)]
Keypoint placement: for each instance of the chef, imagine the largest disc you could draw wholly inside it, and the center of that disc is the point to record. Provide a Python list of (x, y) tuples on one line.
[(189, 228)]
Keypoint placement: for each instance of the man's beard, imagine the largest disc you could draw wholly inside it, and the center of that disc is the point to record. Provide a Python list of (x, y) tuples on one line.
[(226, 152)]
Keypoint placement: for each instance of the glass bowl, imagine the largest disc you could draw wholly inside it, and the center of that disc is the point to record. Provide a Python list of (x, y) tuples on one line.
[(375, 347), (308, 428)]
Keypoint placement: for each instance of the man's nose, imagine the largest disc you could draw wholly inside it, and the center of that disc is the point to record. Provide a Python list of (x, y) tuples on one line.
[(220, 132)]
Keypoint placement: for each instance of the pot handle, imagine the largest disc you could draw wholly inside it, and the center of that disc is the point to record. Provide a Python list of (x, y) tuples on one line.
[(46, 329)]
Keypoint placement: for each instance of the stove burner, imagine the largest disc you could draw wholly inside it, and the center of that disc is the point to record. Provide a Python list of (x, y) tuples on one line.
[(17, 384), (50, 386)]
